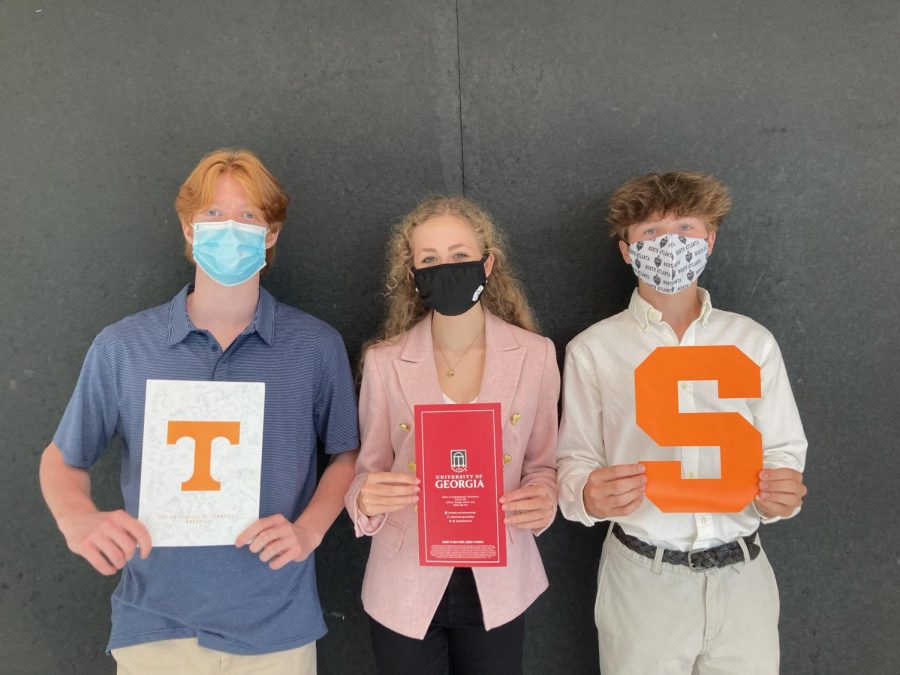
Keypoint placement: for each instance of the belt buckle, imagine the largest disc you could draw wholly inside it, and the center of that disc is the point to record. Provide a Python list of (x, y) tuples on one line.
[(690, 560)]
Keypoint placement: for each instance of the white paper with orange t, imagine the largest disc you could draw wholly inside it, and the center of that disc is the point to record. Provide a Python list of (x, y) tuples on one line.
[(201, 460)]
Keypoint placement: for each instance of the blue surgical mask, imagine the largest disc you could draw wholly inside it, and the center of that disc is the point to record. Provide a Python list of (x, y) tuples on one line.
[(228, 251)]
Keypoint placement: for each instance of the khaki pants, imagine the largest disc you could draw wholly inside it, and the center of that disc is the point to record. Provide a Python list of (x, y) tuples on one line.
[(675, 620), (184, 656)]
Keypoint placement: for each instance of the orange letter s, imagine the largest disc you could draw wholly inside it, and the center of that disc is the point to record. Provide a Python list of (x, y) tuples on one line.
[(740, 443)]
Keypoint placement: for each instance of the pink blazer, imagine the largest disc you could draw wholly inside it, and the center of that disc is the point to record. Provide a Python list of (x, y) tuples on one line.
[(520, 373)]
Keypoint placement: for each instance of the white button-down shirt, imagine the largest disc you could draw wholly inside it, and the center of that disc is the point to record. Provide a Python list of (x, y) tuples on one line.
[(598, 425)]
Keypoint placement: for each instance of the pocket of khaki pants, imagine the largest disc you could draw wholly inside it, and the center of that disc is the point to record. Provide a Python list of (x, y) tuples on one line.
[(601, 578), (769, 582)]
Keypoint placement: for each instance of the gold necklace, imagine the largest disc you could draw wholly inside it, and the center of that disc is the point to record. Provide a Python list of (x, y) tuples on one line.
[(451, 370)]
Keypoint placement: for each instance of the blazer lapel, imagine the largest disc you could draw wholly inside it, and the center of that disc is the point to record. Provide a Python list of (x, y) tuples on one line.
[(503, 359), (415, 367)]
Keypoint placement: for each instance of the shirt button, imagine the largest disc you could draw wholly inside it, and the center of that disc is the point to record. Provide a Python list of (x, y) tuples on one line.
[(214, 348), (404, 426)]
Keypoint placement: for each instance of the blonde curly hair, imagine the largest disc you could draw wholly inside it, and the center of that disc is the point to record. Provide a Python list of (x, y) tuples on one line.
[(503, 294)]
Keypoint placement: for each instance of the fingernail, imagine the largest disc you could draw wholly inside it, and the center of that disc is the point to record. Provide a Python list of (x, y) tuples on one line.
[(763, 474), (763, 486), (642, 468), (643, 480), (763, 495)]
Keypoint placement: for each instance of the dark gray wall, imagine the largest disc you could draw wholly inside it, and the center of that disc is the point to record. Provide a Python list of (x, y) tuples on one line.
[(536, 109)]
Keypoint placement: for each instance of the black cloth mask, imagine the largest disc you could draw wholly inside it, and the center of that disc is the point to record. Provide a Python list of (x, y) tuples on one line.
[(451, 289)]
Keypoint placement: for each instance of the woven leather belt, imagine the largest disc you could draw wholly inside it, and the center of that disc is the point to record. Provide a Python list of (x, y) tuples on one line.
[(718, 556)]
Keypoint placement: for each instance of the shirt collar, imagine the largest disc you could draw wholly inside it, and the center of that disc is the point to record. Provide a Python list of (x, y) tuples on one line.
[(705, 305), (263, 324), (645, 313)]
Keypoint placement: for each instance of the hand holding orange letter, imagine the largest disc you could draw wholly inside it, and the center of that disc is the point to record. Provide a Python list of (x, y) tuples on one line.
[(780, 492), (614, 490)]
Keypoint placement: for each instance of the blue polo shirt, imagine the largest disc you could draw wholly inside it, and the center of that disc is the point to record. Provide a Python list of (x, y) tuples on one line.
[(224, 596)]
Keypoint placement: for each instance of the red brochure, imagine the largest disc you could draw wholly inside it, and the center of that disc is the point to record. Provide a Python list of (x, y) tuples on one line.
[(459, 459)]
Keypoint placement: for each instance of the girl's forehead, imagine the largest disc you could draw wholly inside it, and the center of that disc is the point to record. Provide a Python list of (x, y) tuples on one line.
[(441, 230)]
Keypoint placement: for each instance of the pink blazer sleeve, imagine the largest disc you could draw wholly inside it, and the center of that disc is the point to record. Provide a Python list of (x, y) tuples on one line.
[(375, 452), (539, 465)]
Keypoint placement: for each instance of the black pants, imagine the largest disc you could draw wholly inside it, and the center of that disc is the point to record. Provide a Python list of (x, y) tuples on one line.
[(456, 641)]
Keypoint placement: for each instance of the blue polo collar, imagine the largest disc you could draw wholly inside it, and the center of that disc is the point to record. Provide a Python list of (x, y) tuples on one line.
[(263, 324)]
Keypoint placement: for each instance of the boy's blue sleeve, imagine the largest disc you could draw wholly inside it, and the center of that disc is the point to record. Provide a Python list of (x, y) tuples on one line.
[(335, 410), (90, 419)]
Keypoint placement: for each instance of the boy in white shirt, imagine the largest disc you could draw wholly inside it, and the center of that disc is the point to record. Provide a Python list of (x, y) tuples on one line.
[(682, 588)]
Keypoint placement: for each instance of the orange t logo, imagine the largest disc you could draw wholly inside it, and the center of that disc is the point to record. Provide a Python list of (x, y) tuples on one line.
[(740, 443), (203, 433)]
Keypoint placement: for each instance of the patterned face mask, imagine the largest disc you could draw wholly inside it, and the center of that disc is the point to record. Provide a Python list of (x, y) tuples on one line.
[(670, 263)]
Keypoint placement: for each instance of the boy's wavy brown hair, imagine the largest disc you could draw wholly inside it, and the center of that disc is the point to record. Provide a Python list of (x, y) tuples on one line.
[(677, 193)]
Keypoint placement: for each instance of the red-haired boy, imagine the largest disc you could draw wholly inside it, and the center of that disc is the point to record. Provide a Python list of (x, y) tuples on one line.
[(250, 607)]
